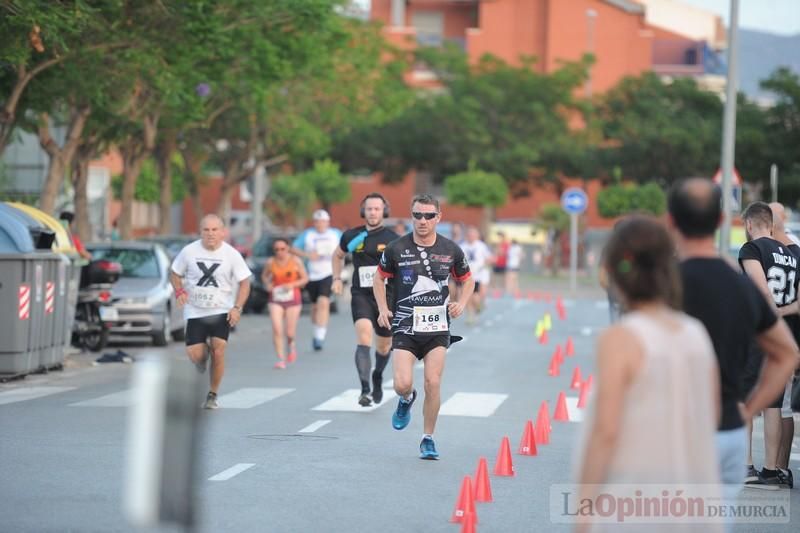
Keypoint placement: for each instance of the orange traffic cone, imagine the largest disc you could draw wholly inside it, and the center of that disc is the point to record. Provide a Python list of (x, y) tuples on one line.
[(468, 524), (527, 445), (576, 378), (543, 424), (554, 369), (589, 382), (562, 313), (483, 489), (465, 503), (583, 394), (570, 348), (561, 414), (543, 337), (504, 466), (558, 354)]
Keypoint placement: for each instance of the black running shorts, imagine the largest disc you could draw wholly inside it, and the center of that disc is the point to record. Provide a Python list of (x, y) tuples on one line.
[(200, 329), (363, 305), (420, 346), (319, 288)]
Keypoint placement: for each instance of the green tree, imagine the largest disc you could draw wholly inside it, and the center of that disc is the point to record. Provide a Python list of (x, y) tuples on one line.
[(289, 200), (329, 185), (476, 188), (148, 186), (621, 199), (783, 131)]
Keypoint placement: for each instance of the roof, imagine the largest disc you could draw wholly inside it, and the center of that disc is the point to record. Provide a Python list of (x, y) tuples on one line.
[(627, 5)]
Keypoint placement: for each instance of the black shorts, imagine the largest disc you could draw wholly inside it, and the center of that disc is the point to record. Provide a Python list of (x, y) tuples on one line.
[(418, 345), (751, 373), (363, 305), (498, 269), (198, 330), (477, 288), (321, 287)]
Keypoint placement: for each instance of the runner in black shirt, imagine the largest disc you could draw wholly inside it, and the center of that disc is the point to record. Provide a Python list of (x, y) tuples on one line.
[(418, 267), (734, 314), (366, 244), (773, 268)]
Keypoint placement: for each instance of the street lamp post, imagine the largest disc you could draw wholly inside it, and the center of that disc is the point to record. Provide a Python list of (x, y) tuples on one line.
[(729, 129)]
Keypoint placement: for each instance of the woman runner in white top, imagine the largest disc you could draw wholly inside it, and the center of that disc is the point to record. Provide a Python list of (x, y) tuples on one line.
[(652, 421)]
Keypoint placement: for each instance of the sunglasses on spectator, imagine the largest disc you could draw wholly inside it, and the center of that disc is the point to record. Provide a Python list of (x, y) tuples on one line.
[(426, 216)]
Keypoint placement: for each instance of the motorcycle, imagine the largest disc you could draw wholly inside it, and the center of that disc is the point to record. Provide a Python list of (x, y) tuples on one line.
[(94, 311)]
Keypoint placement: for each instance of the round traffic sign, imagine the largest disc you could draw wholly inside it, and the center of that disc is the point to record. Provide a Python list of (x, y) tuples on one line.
[(574, 201)]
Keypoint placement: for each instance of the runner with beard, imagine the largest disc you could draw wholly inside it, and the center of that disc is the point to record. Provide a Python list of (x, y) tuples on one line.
[(417, 268)]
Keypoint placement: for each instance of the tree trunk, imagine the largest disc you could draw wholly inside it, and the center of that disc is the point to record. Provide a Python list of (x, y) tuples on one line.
[(80, 180), (225, 200), (164, 152), (60, 157), (486, 221), (134, 151), (193, 164)]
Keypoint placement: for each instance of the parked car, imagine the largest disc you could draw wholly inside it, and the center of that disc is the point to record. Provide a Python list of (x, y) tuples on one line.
[(173, 244), (260, 252), (143, 295)]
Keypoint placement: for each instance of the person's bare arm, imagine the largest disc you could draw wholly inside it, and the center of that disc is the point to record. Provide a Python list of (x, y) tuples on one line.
[(455, 309), (337, 259), (379, 290), (235, 313), (781, 357), (301, 282), (181, 296)]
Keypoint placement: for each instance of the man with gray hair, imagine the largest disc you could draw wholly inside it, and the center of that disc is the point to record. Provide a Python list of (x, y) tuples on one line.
[(211, 282)]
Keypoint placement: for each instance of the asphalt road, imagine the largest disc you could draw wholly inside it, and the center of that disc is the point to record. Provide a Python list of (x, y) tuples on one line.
[(290, 451)]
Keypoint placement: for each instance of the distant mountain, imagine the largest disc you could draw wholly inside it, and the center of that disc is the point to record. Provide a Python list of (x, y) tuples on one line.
[(760, 54)]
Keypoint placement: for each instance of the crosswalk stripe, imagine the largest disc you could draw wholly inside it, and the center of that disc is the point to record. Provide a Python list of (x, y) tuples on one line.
[(117, 399), (250, 397), (311, 428), (29, 393), (476, 404), (348, 401), (237, 469)]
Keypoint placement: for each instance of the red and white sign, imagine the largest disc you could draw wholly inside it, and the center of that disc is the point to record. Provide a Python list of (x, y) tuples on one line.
[(49, 297), (736, 181), (24, 310)]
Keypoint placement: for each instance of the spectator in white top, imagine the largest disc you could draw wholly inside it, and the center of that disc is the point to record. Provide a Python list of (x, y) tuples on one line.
[(512, 267), (480, 259)]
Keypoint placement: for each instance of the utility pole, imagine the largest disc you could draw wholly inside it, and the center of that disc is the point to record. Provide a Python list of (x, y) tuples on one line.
[(729, 129)]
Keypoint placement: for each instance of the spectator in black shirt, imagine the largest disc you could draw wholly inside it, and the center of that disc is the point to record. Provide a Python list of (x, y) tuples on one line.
[(734, 313)]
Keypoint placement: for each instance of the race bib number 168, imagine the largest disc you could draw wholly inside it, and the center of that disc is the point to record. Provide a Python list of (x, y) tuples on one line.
[(430, 319)]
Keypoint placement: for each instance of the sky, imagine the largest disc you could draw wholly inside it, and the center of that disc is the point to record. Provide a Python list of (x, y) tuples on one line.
[(774, 16)]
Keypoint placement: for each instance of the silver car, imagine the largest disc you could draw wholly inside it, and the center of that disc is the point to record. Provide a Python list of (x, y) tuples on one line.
[(143, 299)]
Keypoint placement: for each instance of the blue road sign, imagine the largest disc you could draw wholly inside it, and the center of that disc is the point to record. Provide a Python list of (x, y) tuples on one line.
[(574, 201)]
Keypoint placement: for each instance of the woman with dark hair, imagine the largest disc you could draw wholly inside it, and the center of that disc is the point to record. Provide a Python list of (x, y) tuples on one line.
[(656, 406), (283, 276)]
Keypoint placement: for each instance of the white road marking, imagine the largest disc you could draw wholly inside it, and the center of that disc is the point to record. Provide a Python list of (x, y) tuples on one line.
[(348, 401), (575, 414), (311, 428), (235, 470), (476, 404), (29, 393), (586, 332), (117, 399), (250, 397)]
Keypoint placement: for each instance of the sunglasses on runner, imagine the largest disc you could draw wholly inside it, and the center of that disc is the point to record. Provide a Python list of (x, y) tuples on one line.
[(426, 216)]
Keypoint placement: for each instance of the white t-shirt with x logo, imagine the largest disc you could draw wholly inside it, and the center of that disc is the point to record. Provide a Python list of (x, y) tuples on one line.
[(210, 277)]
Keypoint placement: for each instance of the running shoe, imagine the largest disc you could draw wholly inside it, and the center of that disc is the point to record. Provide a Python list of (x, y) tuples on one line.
[(316, 344), (402, 415), (211, 401), (764, 483), (377, 388), (752, 474), (427, 449), (786, 478), (280, 365), (292, 357), (364, 400)]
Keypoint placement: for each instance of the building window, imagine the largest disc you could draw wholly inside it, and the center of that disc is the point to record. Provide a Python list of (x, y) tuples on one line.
[(429, 26)]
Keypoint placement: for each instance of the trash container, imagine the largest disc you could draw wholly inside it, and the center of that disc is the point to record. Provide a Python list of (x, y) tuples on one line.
[(61, 288), (23, 271)]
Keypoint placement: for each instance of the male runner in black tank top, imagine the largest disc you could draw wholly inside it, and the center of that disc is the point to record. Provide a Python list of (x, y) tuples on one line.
[(418, 267), (773, 268), (366, 244)]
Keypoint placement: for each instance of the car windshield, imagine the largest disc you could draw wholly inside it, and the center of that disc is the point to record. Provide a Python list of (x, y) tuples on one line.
[(135, 263)]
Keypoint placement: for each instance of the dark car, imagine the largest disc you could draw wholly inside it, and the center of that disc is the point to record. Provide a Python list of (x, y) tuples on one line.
[(260, 252), (173, 244)]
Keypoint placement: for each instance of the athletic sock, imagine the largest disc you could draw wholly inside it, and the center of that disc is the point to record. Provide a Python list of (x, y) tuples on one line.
[(766, 472), (381, 360), (320, 332), (363, 366), (427, 436)]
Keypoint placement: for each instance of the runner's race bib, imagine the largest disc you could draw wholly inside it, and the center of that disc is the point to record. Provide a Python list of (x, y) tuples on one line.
[(282, 294), (366, 276), (208, 297), (430, 319)]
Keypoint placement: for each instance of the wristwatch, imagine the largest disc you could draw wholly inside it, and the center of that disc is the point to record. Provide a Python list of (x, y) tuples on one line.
[(238, 308)]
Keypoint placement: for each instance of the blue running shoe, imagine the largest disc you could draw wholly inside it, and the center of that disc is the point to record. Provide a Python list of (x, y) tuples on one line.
[(316, 344), (402, 415), (427, 449)]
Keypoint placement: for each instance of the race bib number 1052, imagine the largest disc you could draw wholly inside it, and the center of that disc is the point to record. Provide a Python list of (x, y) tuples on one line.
[(430, 319), (207, 297)]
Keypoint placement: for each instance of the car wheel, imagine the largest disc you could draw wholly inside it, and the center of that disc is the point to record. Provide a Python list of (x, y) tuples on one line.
[(160, 337)]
